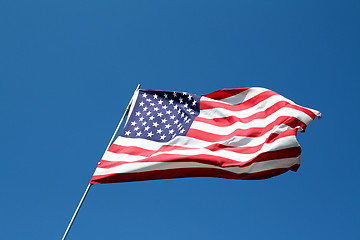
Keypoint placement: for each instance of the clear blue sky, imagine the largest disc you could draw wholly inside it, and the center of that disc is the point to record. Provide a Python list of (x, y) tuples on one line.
[(69, 68)]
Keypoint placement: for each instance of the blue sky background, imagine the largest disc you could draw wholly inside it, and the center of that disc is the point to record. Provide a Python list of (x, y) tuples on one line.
[(69, 68)]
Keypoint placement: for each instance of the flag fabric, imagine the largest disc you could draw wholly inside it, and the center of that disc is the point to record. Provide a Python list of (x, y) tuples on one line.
[(244, 133)]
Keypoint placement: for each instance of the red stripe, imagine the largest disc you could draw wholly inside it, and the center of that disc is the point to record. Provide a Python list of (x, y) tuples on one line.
[(225, 93), (188, 172), (165, 157), (137, 151), (251, 132), (204, 104), (253, 149), (210, 159), (226, 121)]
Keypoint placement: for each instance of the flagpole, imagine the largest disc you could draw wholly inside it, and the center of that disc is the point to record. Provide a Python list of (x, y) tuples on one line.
[(89, 186)]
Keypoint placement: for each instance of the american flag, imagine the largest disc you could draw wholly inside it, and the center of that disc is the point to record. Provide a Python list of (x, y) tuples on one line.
[(243, 133)]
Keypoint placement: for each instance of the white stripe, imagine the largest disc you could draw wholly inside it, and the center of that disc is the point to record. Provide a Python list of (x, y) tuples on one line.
[(281, 143), (241, 97), (258, 123), (261, 106), (239, 141), (139, 142), (183, 141), (110, 156), (138, 167)]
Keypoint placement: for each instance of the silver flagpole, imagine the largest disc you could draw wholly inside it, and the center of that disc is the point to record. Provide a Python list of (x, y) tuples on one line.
[(89, 186)]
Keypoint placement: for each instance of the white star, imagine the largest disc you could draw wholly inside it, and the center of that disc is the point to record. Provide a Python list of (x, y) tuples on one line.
[(160, 114), (150, 134), (160, 101), (165, 95), (188, 109), (145, 109), (152, 104), (141, 104), (172, 117), (144, 95), (159, 131), (168, 112), (164, 107), (186, 105), (137, 114), (176, 121), (167, 126), (179, 111), (155, 124), (171, 131), (192, 113), (181, 100), (136, 128), (148, 113), (156, 109), (151, 118), (182, 131), (187, 121), (133, 123), (171, 102), (138, 134), (127, 133), (175, 94), (147, 128), (164, 120), (144, 123), (148, 100), (176, 107), (194, 102), (182, 115), (163, 137), (141, 119), (189, 97), (155, 96), (186, 118)]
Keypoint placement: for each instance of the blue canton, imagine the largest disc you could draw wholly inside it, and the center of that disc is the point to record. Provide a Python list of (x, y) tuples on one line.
[(160, 115)]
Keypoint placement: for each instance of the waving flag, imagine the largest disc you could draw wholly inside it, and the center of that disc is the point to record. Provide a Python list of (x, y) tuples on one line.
[(245, 133)]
